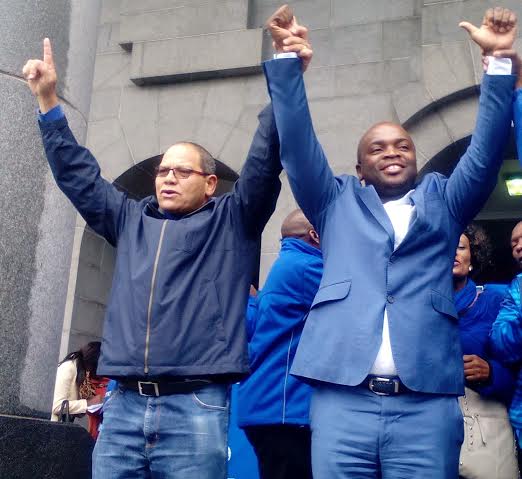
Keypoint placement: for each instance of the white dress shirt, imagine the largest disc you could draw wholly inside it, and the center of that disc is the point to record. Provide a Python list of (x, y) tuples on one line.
[(401, 213)]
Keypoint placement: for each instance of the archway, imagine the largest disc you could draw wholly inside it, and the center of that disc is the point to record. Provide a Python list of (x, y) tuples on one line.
[(500, 213)]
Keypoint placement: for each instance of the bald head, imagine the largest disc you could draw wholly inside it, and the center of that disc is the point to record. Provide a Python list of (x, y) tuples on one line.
[(296, 225), (370, 132)]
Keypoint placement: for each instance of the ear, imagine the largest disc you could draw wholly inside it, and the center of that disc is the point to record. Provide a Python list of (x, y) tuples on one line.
[(359, 171), (314, 237), (211, 185)]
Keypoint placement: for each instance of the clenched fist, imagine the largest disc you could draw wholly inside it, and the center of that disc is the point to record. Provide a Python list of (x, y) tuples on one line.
[(288, 35), (41, 77), (497, 32)]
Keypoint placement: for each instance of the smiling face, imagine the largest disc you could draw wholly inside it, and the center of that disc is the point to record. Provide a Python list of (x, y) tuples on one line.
[(182, 196), (516, 244), (386, 159), (462, 261)]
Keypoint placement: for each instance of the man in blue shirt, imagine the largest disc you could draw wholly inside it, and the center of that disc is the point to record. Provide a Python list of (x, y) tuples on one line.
[(506, 332), (174, 335), (273, 406)]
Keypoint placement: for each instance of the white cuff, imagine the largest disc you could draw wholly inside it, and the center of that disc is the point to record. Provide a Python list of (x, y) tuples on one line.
[(277, 56), (499, 66)]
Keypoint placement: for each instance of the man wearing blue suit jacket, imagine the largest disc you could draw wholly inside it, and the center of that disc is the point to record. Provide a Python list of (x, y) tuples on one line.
[(381, 343)]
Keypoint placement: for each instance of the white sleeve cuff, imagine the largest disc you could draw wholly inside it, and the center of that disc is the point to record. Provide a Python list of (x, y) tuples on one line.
[(277, 56), (499, 66)]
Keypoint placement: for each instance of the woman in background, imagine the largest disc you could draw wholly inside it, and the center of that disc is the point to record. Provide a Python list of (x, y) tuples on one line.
[(488, 450), (77, 383)]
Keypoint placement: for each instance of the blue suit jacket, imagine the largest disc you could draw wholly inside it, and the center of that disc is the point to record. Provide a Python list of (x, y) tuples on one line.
[(362, 272)]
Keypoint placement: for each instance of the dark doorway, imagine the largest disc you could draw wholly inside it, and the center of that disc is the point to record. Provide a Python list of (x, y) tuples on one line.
[(500, 214)]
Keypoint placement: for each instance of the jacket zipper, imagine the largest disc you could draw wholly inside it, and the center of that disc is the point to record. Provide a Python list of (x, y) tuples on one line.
[(149, 310)]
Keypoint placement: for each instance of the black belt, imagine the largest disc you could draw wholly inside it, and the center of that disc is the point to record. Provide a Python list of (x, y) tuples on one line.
[(385, 385), (164, 387)]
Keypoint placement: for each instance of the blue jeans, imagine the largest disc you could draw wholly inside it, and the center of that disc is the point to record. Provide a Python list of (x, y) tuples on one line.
[(357, 434), (166, 437)]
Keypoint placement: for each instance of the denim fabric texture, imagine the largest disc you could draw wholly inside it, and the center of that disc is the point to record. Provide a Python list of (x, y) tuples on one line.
[(165, 437)]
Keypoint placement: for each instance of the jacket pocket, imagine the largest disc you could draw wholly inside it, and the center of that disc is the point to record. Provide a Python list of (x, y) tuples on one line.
[(332, 292), (443, 304)]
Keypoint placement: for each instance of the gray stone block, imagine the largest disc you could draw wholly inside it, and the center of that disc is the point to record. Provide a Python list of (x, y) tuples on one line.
[(110, 11), (440, 20), (105, 103), (235, 149), (212, 134), (430, 136), (409, 99), (108, 144), (401, 38), (225, 99), (369, 11), (198, 57), (185, 20), (356, 44), (137, 6), (112, 70), (88, 318), (108, 38), (447, 68), (139, 121), (459, 117)]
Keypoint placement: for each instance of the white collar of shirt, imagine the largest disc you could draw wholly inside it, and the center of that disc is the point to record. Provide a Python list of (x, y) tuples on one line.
[(400, 213)]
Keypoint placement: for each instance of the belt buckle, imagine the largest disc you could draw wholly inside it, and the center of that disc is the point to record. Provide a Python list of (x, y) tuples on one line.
[(386, 380), (142, 383)]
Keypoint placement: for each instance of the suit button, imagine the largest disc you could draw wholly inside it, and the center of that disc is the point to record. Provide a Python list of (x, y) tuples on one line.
[(390, 299)]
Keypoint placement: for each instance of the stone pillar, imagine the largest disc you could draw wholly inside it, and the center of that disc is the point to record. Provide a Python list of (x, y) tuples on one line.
[(36, 220)]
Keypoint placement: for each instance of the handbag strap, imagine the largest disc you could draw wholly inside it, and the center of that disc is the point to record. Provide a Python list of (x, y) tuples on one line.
[(64, 411)]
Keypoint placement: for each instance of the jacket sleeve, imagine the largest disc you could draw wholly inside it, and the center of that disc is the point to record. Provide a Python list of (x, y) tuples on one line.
[(517, 119), (502, 384), (311, 179), (506, 332), (65, 378), (77, 174), (475, 176), (257, 189)]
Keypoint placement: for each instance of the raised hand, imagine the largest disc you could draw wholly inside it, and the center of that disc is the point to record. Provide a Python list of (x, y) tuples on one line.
[(497, 32), (289, 36), (281, 25), (41, 77)]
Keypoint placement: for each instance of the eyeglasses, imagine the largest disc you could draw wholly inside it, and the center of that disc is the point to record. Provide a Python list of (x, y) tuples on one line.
[(178, 172)]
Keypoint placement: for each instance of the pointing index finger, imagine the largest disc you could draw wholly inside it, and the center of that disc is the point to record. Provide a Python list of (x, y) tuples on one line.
[(47, 52)]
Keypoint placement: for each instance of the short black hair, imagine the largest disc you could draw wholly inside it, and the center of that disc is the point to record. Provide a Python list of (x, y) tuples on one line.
[(480, 247)]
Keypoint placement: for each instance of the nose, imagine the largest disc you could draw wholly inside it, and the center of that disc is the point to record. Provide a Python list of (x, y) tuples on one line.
[(171, 177), (518, 247), (391, 152)]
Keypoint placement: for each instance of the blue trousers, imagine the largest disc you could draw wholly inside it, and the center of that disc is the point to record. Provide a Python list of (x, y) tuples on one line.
[(179, 436), (357, 434)]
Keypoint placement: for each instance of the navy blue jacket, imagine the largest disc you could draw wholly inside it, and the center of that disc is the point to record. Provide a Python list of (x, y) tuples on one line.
[(270, 395), (474, 326), (180, 286), (363, 273)]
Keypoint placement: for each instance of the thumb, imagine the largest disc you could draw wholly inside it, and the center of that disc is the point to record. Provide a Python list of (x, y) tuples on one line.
[(469, 27)]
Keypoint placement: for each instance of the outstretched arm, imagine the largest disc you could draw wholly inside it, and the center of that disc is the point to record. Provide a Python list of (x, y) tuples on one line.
[(476, 173), (75, 169), (312, 181)]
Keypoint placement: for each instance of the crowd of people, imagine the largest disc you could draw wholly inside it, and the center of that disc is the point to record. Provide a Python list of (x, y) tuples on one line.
[(372, 352)]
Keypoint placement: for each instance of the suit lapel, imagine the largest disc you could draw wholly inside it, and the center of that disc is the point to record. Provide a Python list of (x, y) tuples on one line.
[(373, 203)]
